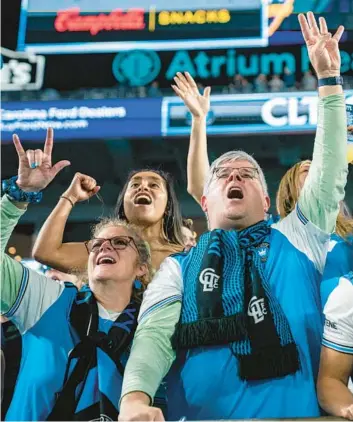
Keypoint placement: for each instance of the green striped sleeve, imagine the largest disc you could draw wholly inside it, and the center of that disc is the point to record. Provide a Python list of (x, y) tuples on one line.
[(152, 354), (11, 270), (324, 187)]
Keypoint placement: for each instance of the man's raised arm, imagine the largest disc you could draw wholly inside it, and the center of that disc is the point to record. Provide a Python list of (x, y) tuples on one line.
[(324, 187)]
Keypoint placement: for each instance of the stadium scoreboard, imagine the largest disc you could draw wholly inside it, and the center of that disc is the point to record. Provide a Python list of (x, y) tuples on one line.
[(84, 26)]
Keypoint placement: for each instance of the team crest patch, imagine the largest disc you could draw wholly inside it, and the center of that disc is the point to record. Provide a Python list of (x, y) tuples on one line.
[(262, 250), (209, 279)]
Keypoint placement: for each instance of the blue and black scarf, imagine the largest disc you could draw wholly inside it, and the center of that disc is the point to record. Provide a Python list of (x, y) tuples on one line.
[(87, 353), (228, 300)]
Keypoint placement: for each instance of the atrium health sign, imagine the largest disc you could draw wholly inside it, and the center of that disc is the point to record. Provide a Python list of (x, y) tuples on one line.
[(215, 67)]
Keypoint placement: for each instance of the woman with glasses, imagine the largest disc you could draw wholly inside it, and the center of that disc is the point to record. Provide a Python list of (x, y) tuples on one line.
[(75, 343)]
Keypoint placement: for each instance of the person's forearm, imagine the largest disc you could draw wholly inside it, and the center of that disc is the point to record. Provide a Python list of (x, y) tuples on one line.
[(325, 91), (334, 396), (50, 237), (197, 163), (324, 186), (49, 248), (11, 270), (151, 355)]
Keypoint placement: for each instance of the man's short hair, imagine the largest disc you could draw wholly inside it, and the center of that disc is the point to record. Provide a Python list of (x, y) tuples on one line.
[(235, 156)]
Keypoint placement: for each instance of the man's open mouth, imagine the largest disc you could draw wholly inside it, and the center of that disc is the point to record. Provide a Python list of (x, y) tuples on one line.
[(235, 193)]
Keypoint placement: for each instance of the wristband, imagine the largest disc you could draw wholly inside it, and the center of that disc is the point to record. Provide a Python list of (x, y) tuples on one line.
[(11, 188), (334, 80), (68, 199)]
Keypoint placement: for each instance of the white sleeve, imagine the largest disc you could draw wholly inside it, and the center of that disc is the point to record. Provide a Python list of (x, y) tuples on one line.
[(338, 330), (165, 288), (36, 294), (305, 236)]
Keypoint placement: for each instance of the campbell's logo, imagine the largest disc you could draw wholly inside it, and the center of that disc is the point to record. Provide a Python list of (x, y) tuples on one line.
[(117, 20)]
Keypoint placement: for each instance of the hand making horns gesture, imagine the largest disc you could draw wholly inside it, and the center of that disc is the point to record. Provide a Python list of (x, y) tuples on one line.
[(35, 169)]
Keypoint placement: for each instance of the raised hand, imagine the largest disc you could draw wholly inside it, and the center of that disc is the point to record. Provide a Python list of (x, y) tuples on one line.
[(81, 188), (322, 46), (187, 90), (35, 170)]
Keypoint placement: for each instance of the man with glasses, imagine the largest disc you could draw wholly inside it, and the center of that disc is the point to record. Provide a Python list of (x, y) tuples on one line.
[(240, 315)]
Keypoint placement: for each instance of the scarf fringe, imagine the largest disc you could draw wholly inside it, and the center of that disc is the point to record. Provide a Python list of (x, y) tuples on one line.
[(207, 332), (269, 363)]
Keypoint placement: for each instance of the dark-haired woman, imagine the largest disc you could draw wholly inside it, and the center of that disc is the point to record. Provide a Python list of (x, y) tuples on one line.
[(147, 200)]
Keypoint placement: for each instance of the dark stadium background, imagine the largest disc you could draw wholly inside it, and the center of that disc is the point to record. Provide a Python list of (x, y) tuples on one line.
[(110, 160)]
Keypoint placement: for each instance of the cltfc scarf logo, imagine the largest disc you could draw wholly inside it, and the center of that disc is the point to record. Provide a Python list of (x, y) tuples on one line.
[(256, 309), (209, 279)]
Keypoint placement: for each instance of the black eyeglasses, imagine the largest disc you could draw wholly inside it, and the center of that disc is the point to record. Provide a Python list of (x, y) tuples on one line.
[(244, 172), (117, 242)]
